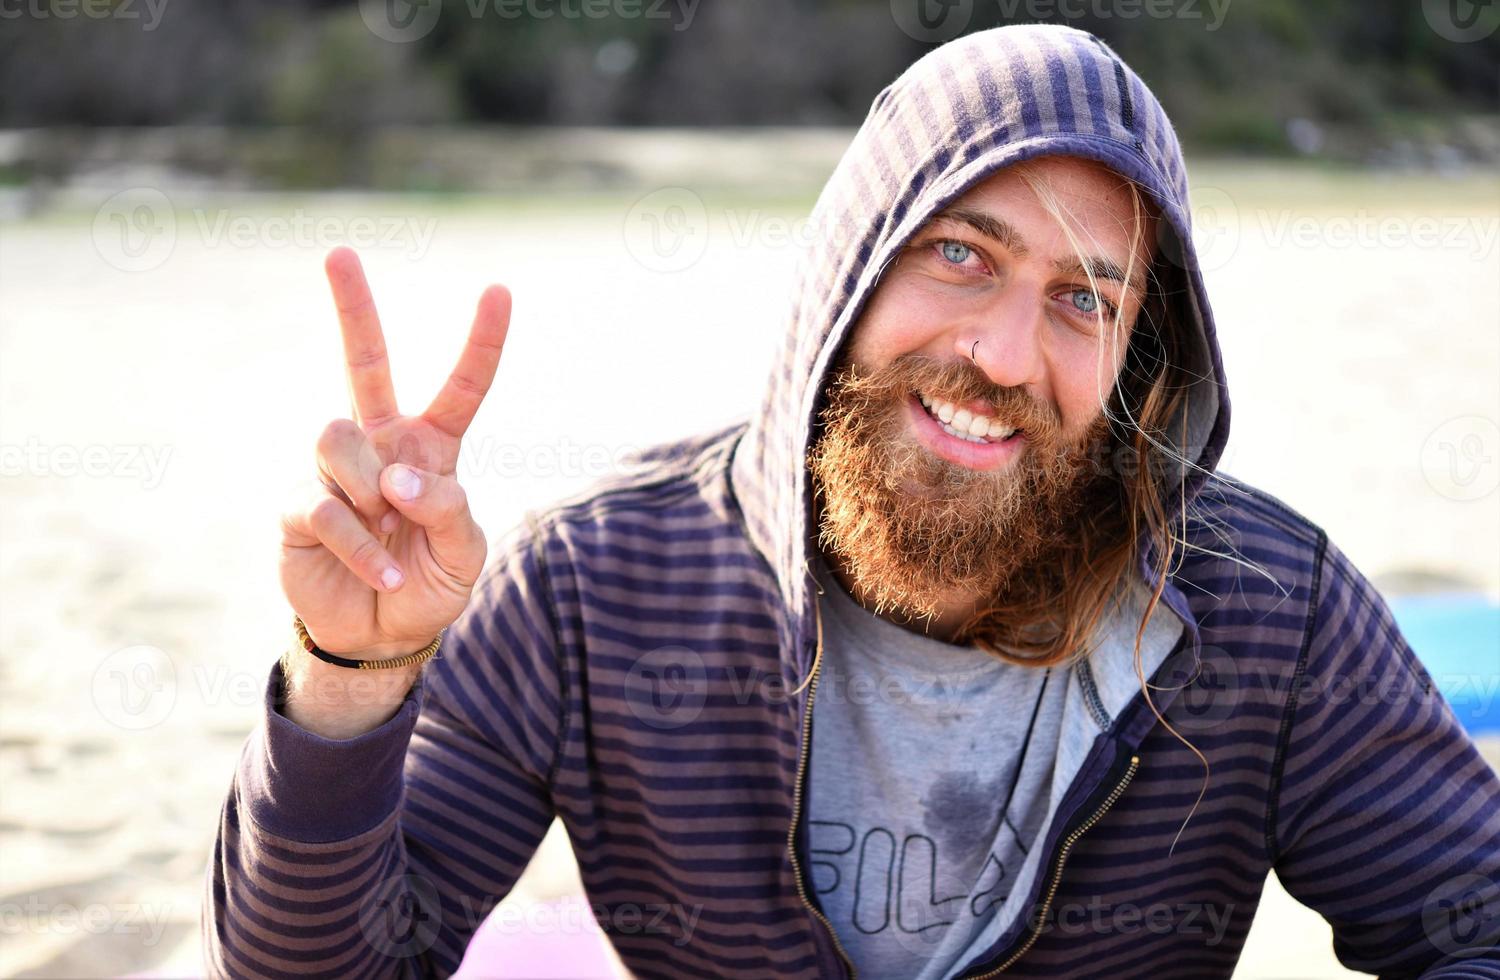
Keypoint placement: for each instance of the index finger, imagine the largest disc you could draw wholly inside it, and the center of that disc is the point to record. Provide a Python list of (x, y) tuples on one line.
[(365, 357), (454, 407)]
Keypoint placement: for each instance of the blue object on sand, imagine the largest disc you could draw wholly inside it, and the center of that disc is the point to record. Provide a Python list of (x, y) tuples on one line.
[(1457, 638)]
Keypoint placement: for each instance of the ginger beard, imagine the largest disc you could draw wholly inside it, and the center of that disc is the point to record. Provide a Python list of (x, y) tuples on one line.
[(915, 530)]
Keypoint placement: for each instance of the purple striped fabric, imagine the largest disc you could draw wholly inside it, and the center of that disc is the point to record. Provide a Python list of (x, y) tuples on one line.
[(630, 662)]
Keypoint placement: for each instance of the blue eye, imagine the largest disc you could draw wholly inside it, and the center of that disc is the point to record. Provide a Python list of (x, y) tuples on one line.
[(1088, 303), (956, 252)]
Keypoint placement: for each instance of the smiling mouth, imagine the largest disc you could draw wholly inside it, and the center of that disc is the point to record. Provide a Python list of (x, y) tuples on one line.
[(964, 424)]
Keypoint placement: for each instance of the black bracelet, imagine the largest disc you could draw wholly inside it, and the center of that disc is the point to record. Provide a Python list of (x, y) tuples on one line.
[(408, 660)]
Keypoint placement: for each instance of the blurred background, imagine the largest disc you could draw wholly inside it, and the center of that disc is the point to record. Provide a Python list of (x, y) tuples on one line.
[(639, 172)]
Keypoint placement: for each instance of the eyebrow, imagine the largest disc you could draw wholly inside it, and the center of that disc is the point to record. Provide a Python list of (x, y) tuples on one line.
[(1005, 233)]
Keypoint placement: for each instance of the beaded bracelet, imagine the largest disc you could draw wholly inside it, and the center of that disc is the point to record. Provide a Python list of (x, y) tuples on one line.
[(408, 660)]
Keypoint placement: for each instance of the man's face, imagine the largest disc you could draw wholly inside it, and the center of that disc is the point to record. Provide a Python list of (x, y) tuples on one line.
[(964, 432)]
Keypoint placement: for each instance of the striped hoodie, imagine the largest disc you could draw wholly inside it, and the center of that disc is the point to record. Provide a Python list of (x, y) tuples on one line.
[(639, 661)]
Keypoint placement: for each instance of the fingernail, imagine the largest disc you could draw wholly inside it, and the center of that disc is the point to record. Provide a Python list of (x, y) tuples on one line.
[(391, 578), (389, 522), (406, 482)]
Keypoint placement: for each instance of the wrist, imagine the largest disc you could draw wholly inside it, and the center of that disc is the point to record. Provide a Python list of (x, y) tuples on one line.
[(340, 703)]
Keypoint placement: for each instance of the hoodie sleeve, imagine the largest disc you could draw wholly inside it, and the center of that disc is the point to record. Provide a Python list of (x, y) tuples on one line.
[(1387, 819), (380, 856)]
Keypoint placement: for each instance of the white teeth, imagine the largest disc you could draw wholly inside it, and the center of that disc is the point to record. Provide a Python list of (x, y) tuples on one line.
[(965, 424), (963, 435)]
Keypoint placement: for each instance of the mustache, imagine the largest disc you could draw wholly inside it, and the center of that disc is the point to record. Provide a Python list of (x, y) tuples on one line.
[(956, 381)]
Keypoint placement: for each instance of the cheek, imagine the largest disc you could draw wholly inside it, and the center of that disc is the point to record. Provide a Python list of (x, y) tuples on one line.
[(1083, 377), (897, 320)]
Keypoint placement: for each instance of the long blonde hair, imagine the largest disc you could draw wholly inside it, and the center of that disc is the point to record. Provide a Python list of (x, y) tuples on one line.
[(1053, 617)]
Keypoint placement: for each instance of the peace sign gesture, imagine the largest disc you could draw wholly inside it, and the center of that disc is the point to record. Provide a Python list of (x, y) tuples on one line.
[(386, 555)]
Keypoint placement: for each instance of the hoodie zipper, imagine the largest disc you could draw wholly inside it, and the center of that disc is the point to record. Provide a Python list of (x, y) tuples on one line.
[(1057, 869), (791, 836)]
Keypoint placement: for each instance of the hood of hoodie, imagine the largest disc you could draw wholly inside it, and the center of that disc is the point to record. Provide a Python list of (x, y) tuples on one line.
[(955, 117)]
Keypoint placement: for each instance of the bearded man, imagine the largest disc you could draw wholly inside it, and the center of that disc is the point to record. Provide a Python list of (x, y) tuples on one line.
[(955, 651)]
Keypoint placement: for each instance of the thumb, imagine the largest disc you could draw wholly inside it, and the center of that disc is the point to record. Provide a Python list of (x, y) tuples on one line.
[(435, 502)]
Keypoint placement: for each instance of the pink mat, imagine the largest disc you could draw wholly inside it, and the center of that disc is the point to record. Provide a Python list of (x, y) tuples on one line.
[(556, 940)]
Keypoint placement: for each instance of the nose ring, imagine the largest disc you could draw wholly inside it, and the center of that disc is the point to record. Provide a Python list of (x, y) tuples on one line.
[(971, 353)]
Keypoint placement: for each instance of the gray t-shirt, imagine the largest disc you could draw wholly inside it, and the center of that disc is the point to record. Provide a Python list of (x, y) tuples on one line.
[(930, 778)]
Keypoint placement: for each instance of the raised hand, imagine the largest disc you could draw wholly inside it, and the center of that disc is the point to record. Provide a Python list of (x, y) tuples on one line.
[(387, 553)]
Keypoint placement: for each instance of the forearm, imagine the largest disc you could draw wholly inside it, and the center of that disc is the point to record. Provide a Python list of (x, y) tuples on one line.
[(301, 813)]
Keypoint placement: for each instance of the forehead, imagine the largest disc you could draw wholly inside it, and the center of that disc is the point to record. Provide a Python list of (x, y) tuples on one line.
[(1067, 176), (1098, 200)]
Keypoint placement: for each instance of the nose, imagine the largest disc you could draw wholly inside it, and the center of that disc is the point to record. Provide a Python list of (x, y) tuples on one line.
[(1004, 341)]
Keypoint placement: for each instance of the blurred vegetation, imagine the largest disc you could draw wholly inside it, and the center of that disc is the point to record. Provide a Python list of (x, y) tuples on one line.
[(1275, 77)]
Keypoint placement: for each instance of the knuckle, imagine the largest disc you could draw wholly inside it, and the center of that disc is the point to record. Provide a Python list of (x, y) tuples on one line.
[(336, 435), (366, 554), (325, 514)]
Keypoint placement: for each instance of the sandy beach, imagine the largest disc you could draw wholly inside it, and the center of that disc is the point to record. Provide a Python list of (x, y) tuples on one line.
[(160, 397)]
